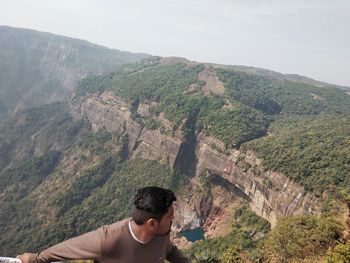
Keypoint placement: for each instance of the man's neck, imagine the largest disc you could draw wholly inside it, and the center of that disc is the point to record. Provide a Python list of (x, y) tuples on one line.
[(140, 233)]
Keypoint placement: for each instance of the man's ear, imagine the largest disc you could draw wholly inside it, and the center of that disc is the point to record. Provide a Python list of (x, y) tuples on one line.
[(152, 224)]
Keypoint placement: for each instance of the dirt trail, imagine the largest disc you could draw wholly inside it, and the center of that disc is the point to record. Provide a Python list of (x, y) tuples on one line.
[(213, 84)]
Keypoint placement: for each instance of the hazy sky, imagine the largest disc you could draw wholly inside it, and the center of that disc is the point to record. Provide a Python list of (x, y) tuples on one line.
[(307, 37)]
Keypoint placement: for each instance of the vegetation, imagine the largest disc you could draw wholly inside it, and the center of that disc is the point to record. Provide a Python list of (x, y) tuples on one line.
[(166, 85), (235, 255), (238, 246), (44, 126), (85, 185), (339, 254), (210, 250), (275, 97), (28, 175), (100, 184), (109, 202), (295, 239), (299, 237), (234, 126), (310, 132), (17, 183), (244, 217), (147, 81), (312, 151)]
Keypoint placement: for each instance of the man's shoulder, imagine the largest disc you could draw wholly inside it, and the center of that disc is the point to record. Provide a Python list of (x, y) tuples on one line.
[(116, 228), (114, 236), (121, 223)]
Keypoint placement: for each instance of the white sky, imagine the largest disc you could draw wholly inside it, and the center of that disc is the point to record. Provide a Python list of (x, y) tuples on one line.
[(306, 37)]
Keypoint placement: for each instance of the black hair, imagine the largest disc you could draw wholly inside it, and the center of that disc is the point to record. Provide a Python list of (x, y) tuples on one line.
[(151, 202)]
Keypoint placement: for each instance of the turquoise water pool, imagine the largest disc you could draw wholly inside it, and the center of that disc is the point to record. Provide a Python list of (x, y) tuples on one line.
[(193, 234)]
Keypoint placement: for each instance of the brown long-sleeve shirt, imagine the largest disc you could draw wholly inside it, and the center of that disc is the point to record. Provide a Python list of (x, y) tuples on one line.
[(112, 243)]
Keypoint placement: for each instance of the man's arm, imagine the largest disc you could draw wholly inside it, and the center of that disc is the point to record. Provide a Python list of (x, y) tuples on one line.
[(86, 246), (174, 255)]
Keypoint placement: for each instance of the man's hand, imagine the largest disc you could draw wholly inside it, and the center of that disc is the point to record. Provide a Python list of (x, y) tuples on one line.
[(24, 257)]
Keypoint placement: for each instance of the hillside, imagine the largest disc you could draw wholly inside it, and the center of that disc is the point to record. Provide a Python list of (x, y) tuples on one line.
[(244, 152), (38, 68), (307, 126)]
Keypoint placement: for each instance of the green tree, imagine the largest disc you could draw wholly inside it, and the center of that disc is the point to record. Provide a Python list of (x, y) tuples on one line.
[(235, 255), (340, 254), (298, 237)]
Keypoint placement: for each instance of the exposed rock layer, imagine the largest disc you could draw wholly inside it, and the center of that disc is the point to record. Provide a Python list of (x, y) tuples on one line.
[(271, 195), (106, 111)]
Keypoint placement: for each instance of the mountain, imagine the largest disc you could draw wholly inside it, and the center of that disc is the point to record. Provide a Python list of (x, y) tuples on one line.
[(243, 150), (38, 68), (291, 77)]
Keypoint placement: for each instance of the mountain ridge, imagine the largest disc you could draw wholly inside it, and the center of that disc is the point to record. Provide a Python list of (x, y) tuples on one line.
[(38, 68), (46, 33)]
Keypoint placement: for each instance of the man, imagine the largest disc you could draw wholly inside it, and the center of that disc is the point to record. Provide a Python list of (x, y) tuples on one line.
[(142, 238)]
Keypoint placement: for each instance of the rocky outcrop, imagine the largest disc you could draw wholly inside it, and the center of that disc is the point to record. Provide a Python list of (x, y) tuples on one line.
[(151, 144), (109, 112), (271, 195), (192, 207), (106, 111)]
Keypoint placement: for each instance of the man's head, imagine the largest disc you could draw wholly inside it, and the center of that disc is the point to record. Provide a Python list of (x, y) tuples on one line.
[(153, 209)]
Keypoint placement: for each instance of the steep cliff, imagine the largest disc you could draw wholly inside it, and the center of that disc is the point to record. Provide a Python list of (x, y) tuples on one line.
[(270, 194), (106, 111)]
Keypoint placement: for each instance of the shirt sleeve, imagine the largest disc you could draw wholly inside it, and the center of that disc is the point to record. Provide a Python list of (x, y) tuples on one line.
[(86, 246), (174, 255)]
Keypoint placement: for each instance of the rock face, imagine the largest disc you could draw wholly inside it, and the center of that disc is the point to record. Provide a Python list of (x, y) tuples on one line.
[(109, 112), (280, 197), (192, 207), (271, 195)]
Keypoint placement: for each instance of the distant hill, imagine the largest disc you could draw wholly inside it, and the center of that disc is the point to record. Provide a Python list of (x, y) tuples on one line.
[(38, 68), (276, 75)]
